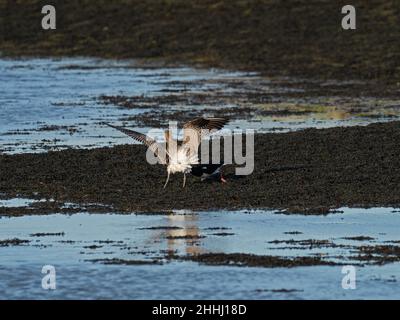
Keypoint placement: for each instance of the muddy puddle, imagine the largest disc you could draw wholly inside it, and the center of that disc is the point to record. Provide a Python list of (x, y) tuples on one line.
[(53, 104), (202, 255)]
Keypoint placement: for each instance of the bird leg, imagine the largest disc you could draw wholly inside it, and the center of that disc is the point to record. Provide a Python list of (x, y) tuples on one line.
[(184, 180), (222, 179), (166, 182)]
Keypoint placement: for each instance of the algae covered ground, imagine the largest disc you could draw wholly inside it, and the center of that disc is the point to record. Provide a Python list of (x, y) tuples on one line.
[(296, 37), (310, 171)]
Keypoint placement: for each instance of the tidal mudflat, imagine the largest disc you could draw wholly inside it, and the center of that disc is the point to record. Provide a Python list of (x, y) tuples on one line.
[(60, 103), (74, 195), (310, 172), (253, 254)]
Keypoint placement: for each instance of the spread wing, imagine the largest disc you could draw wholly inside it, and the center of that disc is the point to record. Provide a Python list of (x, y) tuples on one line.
[(158, 150), (197, 129)]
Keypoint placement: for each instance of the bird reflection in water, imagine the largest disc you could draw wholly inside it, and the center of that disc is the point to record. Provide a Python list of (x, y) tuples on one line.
[(183, 235)]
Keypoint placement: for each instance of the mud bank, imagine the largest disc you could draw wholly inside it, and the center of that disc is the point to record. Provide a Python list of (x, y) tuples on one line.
[(310, 172), (250, 260), (302, 38)]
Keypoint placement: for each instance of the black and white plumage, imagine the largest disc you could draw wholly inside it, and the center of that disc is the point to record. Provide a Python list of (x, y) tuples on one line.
[(179, 156), (208, 171)]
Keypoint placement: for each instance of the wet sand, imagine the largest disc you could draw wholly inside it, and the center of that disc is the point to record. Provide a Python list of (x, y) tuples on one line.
[(308, 172)]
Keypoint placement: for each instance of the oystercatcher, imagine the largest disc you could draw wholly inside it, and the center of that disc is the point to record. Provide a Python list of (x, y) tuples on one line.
[(208, 171)]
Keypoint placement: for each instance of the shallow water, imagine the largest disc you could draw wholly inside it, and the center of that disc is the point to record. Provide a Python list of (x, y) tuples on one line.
[(36, 93), (52, 104), (70, 242)]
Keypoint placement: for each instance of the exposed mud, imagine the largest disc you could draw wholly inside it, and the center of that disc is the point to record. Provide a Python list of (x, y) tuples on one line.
[(364, 255), (138, 98), (378, 254), (309, 243), (330, 168), (223, 234), (185, 237), (359, 238), (126, 262), (270, 253), (49, 207), (300, 38), (251, 260), (259, 99), (162, 228), (279, 290), (48, 234), (13, 242)]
